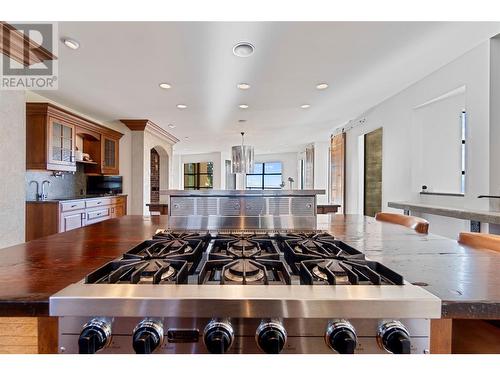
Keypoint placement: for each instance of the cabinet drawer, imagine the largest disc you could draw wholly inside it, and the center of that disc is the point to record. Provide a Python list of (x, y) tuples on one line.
[(118, 200), (98, 214), (72, 220), (71, 206), (98, 202)]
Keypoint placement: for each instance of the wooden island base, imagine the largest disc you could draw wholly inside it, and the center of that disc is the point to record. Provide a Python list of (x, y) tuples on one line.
[(28, 335)]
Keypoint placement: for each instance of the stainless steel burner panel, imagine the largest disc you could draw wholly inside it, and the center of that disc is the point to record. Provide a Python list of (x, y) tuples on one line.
[(244, 292), (304, 336)]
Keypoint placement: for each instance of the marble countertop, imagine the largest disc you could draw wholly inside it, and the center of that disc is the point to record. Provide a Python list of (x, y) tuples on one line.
[(465, 279), (484, 216), (91, 196)]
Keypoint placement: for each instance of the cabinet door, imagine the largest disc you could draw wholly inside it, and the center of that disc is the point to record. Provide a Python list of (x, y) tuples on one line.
[(61, 145), (110, 156), (72, 220)]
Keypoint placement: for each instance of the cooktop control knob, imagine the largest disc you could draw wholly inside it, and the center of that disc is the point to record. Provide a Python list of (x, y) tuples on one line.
[(341, 337), (218, 336), (271, 336), (95, 335), (394, 337), (147, 336)]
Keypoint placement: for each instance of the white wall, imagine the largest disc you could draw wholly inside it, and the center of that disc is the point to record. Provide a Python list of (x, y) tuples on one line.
[(12, 167), (396, 116), (289, 161), (321, 169)]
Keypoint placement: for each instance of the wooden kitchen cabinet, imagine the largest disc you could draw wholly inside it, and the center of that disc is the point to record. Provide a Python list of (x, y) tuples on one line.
[(50, 217), (110, 156), (51, 138)]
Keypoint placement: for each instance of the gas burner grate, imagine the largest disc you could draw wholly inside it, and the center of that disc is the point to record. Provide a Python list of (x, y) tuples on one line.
[(244, 271), (347, 272), (137, 271)]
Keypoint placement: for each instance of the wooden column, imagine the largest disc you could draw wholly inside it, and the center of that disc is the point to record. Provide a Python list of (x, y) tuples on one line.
[(441, 336)]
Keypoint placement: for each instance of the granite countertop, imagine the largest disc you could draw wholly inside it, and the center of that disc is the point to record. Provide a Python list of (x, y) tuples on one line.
[(465, 279), (492, 217), (55, 200), (226, 193)]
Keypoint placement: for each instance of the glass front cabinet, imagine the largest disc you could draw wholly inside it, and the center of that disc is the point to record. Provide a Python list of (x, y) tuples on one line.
[(52, 134), (109, 162), (61, 145)]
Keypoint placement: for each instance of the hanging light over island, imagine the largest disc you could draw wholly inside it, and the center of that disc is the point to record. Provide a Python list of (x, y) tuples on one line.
[(242, 157)]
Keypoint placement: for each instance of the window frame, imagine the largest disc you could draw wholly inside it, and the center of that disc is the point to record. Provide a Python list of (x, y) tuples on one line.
[(263, 176), (197, 176)]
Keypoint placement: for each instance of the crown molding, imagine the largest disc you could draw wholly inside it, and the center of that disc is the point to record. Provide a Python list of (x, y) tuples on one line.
[(150, 126)]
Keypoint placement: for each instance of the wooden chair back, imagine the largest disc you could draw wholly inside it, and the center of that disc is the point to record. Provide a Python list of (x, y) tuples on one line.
[(480, 240), (416, 223)]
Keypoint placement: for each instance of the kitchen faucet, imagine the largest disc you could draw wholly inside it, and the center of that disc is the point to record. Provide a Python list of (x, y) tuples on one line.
[(44, 194), (38, 196)]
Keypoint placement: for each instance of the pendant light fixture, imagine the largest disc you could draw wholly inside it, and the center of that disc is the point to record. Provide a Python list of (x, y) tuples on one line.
[(242, 157)]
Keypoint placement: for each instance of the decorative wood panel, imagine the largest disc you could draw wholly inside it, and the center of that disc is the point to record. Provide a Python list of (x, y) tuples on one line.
[(373, 173), (337, 171), (25, 335)]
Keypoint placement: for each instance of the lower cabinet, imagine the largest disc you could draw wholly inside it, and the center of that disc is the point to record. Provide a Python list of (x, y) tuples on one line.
[(46, 218), (72, 220)]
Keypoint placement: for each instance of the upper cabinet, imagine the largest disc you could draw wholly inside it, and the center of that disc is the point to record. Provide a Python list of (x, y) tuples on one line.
[(54, 134), (61, 144), (110, 148)]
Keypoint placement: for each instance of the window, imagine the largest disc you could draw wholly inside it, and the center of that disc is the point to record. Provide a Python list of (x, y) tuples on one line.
[(265, 176), (198, 176)]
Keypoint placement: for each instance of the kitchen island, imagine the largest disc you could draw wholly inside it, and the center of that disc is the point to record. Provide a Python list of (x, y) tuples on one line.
[(465, 279)]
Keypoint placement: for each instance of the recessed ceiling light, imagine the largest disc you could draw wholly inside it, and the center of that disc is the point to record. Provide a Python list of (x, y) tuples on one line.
[(322, 86), (243, 49), (171, 126), (181, 106), (243, 86), (243, 106), (305, 106), (241, 121), (165, 85), (71, 43)]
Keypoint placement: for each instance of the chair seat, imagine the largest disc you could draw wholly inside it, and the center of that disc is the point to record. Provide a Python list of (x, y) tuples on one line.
[(416, 223), (480, 240)]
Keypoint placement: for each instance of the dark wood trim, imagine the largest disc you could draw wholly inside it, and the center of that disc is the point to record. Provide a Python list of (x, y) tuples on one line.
[(162, 208), (136, 125), (13, 44), (47, 335), (143, 124), (77, 120), (441, 336)]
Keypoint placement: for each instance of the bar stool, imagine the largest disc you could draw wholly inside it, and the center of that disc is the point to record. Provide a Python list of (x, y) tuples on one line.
[(418, 224), (480, 240)]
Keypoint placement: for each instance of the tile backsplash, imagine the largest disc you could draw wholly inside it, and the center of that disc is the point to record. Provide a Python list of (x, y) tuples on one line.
[(67, 186)]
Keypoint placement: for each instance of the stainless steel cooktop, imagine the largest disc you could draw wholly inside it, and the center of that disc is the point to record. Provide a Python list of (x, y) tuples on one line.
[(212, 288)]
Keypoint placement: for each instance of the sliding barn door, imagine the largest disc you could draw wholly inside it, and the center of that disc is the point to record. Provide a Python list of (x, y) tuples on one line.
[(337, 171), (373, 173)]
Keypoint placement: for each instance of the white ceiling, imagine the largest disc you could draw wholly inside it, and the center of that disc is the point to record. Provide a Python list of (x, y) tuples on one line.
[(116, 72)]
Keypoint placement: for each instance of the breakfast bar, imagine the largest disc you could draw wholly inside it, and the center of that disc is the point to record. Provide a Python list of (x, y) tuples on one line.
[(465, 279)]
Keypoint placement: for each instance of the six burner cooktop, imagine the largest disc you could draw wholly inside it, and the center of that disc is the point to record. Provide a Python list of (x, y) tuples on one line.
[(244, 258)]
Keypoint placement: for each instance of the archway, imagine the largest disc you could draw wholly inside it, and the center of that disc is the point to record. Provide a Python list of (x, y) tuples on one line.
[(159, 175)]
